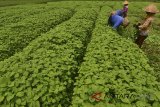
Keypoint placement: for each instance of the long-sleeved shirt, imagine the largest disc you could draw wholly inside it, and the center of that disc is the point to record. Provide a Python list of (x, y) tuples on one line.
[(125, 10), (116, 21), (145, 24)]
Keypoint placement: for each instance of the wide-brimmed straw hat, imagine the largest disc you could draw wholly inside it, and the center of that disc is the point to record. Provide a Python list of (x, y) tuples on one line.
[(151, 9), (125, 2)]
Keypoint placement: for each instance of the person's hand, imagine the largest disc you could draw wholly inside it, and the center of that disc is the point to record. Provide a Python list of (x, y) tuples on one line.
[(112, 13), (140, 27)]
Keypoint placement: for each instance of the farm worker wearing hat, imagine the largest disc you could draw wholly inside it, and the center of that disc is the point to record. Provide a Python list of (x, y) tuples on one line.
[(143, 26), (123, 12), (125, 8), (115, 21)]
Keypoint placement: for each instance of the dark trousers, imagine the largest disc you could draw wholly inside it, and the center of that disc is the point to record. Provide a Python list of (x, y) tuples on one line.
[(140, 39)]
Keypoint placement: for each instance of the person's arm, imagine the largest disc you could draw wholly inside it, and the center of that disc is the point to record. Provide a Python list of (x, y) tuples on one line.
[(145, 24), (125, 10)]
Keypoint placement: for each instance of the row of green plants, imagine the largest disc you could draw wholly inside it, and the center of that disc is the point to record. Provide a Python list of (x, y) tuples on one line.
[(6, 3), (14, 15), (42, 75), (77, 3), (114, 66), (14, 37), (19, 2)]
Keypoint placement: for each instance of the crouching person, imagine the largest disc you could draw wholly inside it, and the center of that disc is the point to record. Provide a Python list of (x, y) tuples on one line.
[(115, 21), (143, 26)]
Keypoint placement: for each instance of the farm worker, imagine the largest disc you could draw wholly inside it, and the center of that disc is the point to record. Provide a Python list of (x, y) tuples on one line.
[(124, 11), (125, 8), (143, 27), (115, 20)]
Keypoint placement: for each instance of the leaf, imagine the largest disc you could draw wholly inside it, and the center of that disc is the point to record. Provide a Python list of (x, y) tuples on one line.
[(18, 101), (17, 75), (157, 94), (156, 104), (20, 94), (99, 81), (125, 100), (9, 97), (59, 105), (140, 104), (36, 97), (53, 100), (88, 81), (4, 80), (37, 104), (1, 98), (11, 85), (39, 87), (153, 96)]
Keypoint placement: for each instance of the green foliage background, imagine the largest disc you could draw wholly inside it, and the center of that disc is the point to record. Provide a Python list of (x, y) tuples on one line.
[(60, 53), (17, 2)]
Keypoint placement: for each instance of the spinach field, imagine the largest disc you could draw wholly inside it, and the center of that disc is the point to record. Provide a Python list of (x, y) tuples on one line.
[(63, 54)]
